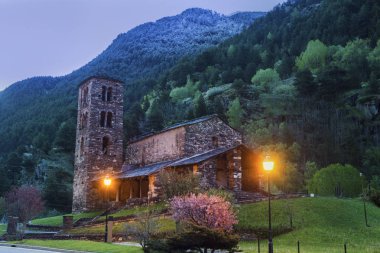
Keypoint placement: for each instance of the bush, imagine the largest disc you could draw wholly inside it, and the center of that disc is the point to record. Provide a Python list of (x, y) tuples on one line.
[(174, 183), (336, 179), (202, 210), (201, 239), (375, 197)]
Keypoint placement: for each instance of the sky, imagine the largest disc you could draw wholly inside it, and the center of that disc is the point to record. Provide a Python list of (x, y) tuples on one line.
[(55, 37)]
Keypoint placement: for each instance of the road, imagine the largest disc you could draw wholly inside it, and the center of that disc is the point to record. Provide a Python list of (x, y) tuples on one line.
[(6, 249)]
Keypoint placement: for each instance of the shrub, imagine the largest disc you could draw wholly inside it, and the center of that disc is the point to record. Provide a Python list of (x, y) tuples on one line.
[(202, 239), (338, 179), (174, 183), (202, 210)]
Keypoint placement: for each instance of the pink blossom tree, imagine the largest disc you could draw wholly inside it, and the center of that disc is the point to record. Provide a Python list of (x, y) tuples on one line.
[(24, 202), (212, 212)]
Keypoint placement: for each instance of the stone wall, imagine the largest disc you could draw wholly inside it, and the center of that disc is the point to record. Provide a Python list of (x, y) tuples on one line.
[(208, 135), (99, 138), (165, 146)]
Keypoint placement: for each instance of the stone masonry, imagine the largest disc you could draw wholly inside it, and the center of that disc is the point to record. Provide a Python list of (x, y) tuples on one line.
[(99, 140), (182, 141)]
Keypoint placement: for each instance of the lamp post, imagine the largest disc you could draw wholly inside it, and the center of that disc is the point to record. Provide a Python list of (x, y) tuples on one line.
[(364, 200), (268, 165), (107, 182)]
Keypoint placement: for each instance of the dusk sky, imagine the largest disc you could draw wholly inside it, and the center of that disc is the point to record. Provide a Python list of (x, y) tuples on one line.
[(55, 37)]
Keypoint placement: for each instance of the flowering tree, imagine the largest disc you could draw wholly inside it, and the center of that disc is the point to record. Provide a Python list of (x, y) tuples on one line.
[(212, 212), (24, 202)]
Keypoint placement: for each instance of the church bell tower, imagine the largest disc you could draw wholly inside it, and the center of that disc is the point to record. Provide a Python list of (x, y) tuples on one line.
[(99, 138)]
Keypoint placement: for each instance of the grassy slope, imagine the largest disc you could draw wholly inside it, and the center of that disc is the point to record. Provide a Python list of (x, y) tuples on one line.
[(57, 220), (83, 246), (321, 225)]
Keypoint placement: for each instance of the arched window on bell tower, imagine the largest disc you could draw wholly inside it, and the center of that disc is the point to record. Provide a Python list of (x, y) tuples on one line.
[(102, 119), (109, 94), (104, 91), (109, 119), (106, 145)]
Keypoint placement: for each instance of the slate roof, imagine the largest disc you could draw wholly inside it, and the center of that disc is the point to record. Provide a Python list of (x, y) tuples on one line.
[(181, 124), (128, 172)]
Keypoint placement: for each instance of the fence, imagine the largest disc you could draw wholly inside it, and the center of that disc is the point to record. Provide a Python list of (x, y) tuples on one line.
[(260, 246)]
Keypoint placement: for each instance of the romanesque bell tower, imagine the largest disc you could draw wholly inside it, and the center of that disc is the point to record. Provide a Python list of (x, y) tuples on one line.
[(99, 138)]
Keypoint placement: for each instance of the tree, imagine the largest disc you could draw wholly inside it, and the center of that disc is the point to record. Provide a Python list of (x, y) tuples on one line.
[(24, 202), (336, 179), (57, 190), (235, 114), (305, 83), (314, 57), (203, 210), (200, 106), (155, 118), (265, 77), (374, 59), (310, 169), (144, 228), (65, 137)]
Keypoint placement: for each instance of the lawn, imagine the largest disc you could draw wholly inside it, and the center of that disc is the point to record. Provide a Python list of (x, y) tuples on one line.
[(164, 225), (3, 229), (136, 210), (82, 246), (57, 220), (320, 224)]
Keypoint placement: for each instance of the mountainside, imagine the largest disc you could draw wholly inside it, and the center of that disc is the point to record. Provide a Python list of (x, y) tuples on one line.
[(32, 110)]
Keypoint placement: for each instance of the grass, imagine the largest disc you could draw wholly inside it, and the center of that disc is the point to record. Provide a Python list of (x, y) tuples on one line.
[(321, 225), (164, 225), (57, 220), (82, 246), (3, 229), (136, 210)]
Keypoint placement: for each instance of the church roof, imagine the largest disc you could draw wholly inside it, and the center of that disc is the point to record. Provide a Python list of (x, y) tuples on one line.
[(128, 172), (181, 124)]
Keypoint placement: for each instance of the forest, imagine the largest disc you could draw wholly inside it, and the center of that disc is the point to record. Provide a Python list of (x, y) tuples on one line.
[(301, 82)]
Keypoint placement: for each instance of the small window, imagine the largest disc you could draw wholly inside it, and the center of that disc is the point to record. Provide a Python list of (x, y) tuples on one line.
[(85, 96), (104, 91), (102, 119), (109, 119), (85, 120), (215, 142), (81, 148), (109, 94), (105, 145)]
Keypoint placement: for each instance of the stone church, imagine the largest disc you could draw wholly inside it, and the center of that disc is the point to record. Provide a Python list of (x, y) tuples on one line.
[(206, 146)]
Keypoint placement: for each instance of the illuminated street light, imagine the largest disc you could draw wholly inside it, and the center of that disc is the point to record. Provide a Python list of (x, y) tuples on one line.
[(268, 166), (107, 182)]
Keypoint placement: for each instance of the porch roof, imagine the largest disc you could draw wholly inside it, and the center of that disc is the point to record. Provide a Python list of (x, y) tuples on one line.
[(128, 172)]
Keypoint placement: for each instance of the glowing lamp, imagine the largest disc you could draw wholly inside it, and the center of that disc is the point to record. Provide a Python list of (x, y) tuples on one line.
[(268, 164), (107, 181)]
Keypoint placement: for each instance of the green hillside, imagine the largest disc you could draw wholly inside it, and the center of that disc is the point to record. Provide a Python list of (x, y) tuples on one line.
[(320, 224)]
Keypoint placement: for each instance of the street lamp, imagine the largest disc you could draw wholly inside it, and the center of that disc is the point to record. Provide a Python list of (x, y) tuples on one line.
[(107, 182), (364, 199), (268, 165)]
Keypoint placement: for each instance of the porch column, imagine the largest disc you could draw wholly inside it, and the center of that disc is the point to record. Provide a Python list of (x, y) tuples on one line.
[(152, 188), (195, 169), (236, 162), (140, 187)]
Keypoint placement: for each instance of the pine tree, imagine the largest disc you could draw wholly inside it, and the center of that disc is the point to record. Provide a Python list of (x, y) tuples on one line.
[(200, 107), (235, 114)]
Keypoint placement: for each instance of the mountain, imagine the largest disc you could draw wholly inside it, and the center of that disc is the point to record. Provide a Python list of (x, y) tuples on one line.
[(307, 74), (33, 110)]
